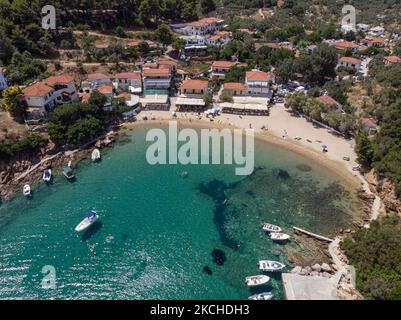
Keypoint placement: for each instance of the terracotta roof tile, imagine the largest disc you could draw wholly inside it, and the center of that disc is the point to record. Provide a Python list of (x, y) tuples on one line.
[(194, 84), (223, 64), (37, 89)]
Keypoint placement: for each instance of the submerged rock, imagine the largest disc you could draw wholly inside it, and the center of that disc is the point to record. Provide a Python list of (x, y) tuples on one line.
[(283, 174), (207, 270), (304, 167), (219, 257)]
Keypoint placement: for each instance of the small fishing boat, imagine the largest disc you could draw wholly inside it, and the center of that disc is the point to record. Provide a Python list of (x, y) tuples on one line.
[(90, 218), (253, 281), (26, 190), (47, 175), (262, 296), (270, 266), (270, 227), (278, 236), (95, 155), (67, 172)]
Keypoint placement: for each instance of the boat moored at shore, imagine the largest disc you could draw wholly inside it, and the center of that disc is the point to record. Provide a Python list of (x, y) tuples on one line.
[(95, 156), (270, 266), (68, 173), (47, 175), (262, 296), (26, 190), (253, 281), (278, 236), (270, 227)]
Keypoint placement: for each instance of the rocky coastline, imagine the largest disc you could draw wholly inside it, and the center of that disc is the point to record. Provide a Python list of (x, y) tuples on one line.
[(29, 171)]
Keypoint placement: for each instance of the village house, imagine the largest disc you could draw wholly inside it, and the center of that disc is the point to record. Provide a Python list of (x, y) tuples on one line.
[(344, 46), (129, 80), (194, 88), (107, 90), (220, 68), (350, 62), (3, 78), (156, 80), (391, 60), (376, 31), (204, 26), (235, 88), (169, 64), (330, 102), (373, 42), (94, 80), (43, 97), (369, 125), (309, 49), (259, 83), (219, 39)]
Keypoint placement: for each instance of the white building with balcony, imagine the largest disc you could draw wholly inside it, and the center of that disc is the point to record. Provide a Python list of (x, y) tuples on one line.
[(155, 80), (259, 83)]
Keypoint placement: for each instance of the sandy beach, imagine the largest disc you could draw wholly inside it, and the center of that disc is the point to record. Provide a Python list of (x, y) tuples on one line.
[(282, 129)]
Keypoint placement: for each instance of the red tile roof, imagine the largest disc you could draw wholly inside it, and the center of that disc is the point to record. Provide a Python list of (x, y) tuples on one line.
[(350, 60), (105, 89), (62, 78), (223, 64), (194, 84), (393, 59), (327, 100), (257, 76), (346, 45), (234, 86), (159, 72), (373, 40), (368, 122), (37, 89), (129, 75), (97, 76)]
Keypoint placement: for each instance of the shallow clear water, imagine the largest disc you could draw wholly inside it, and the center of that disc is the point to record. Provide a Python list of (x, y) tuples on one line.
[(157, 229)]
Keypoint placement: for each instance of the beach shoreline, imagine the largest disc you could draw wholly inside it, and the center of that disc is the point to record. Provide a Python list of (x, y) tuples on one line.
[(341, 169)]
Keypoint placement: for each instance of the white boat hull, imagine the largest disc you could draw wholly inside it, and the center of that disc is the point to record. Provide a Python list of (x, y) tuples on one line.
[(270, 266), (271, 227), (276, 236), (86, 223), (95, 155), (262, 296), (254, 281), (26, 191)]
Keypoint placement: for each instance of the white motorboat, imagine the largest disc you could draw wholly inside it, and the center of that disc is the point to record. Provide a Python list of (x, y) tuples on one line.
[(47, 175), (278, 236), (270, 266), (270, 227), (91, 218), (253, 281), (262, 296), (26, 190), (95, 155)]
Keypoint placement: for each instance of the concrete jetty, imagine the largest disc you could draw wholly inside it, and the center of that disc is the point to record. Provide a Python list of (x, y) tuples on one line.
[(314, 235)]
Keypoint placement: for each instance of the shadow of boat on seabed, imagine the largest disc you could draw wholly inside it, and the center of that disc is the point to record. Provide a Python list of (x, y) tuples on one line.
[(94, 228)]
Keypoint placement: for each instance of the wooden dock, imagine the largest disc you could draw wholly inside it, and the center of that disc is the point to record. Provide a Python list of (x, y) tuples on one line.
[(314, 235)]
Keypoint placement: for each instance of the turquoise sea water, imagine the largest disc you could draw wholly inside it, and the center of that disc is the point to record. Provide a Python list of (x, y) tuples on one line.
[(157, 229)]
